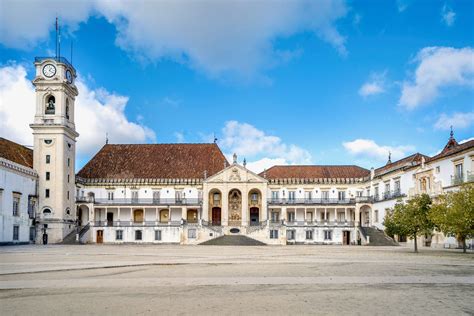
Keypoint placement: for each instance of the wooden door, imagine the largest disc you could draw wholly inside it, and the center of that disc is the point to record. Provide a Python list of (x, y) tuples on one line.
[(138, 216), (164, 216), (100, 236), (216, 216)]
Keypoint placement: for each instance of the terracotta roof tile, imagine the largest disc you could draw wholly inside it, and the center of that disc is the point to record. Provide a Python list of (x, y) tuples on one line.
[(314, 172), (16, 153), (409, 161), (452, 147), (154, 161)]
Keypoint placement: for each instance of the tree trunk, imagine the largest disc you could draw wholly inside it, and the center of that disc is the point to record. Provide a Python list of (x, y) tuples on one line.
[(463, 245), (416, 243)]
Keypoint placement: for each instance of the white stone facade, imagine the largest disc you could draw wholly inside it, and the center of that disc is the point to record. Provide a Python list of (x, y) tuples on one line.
[(17, 203)]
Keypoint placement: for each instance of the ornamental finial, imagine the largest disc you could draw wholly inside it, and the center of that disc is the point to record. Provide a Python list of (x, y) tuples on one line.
[(235, 158)]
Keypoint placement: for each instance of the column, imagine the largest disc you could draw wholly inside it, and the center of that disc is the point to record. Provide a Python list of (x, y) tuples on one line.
[(326, 215), (157, 218), (284, 214), (131, 216), (118, 215), (304, 215), (335, 214), (245, 208), (184, 213), (357, 211), (225, 207), (345, 214)]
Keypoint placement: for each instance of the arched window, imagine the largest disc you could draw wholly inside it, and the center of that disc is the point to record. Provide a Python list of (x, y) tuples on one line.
[(67, 109), (50, 105), (46, 211)]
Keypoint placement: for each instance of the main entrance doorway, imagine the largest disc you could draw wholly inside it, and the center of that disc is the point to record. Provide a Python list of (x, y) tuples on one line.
[(254, 216), (216, 216), (346, 237), (100, 236)]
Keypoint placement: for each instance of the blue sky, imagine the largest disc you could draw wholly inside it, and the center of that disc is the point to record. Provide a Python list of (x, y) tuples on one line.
[(328, 82)]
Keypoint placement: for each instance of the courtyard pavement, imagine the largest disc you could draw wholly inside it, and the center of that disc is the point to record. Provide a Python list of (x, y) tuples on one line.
[(220, 280)]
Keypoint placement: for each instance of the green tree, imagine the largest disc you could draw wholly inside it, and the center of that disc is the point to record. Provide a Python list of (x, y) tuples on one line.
[(453, 213), (412, 218)]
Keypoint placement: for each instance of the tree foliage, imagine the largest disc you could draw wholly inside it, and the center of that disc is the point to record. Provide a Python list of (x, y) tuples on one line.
[(453, 213), (410, 218)]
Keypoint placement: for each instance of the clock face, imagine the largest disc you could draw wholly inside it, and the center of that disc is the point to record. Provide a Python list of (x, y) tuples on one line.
[(49, 70), (68, 76)]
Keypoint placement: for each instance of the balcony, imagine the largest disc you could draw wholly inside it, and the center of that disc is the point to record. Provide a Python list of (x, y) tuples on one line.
[(149, 201), (135, 224), (275, 201), (321, 223), (458, 179), (395, 194)]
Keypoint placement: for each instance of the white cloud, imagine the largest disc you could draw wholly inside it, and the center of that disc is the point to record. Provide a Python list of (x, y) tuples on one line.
[(97, 112), (367, 148), (448, 16), (216, 37), (260, 150), (457, 120), (438, 67), (179, 137), (402, 5), (375, 85)]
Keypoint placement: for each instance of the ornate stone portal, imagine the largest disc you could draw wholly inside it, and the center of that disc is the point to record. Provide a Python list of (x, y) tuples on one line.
[(235, 208)]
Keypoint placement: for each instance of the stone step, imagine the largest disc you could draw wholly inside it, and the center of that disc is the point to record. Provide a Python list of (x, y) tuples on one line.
[(233, 240), (378, 238)]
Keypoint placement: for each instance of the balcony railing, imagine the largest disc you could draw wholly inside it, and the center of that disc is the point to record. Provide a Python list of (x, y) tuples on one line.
[(321, 201), (149, 201), (389, 195), (321, 223), (457, 179), (58, 59), (135, 223)]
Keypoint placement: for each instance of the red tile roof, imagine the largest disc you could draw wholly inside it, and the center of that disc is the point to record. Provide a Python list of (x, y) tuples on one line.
[(315, 172), (452, 148), (409, 161), (16, 153), (154, 161)]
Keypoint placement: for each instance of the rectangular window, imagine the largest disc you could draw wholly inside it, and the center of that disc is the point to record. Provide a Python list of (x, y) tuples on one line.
[(308, 195), (325, 195), (69, 162), (48, 176), (459, 171), (291, 216), (31, 207), (16, 206), (46, 193), (273, 233), (191, 233), (68, 195), (48, 159), (341, 195), (376, 192), (290, 234), (16, 232), (291, 195), (397, 186), (376, 216), (178, 196), (438, 169), (138, 235), (156, 196), (328, 235), (68, 177), (119, 235), (387, 187), (309, 235), (275, 195), (134, 196), (32, 234), (275, 216), (359, 193), (254, 197), (157, 234), (110, 195)]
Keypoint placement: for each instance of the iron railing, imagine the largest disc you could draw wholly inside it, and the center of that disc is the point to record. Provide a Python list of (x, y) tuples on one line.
[(321, 201), (136, 224), (457, 179), (149, 201), (58, 59)]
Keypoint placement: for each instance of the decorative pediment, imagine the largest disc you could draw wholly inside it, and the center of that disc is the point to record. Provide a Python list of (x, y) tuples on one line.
[(235, 173)]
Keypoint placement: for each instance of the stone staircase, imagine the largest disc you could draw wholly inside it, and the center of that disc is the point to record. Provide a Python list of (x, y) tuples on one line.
[(377, 237), (233, 240), (70, 239)]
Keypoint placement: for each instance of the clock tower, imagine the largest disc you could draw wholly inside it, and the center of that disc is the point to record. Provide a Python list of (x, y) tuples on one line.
[(55, 147)]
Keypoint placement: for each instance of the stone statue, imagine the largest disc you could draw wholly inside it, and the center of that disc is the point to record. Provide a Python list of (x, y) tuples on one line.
[(50, 106)]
